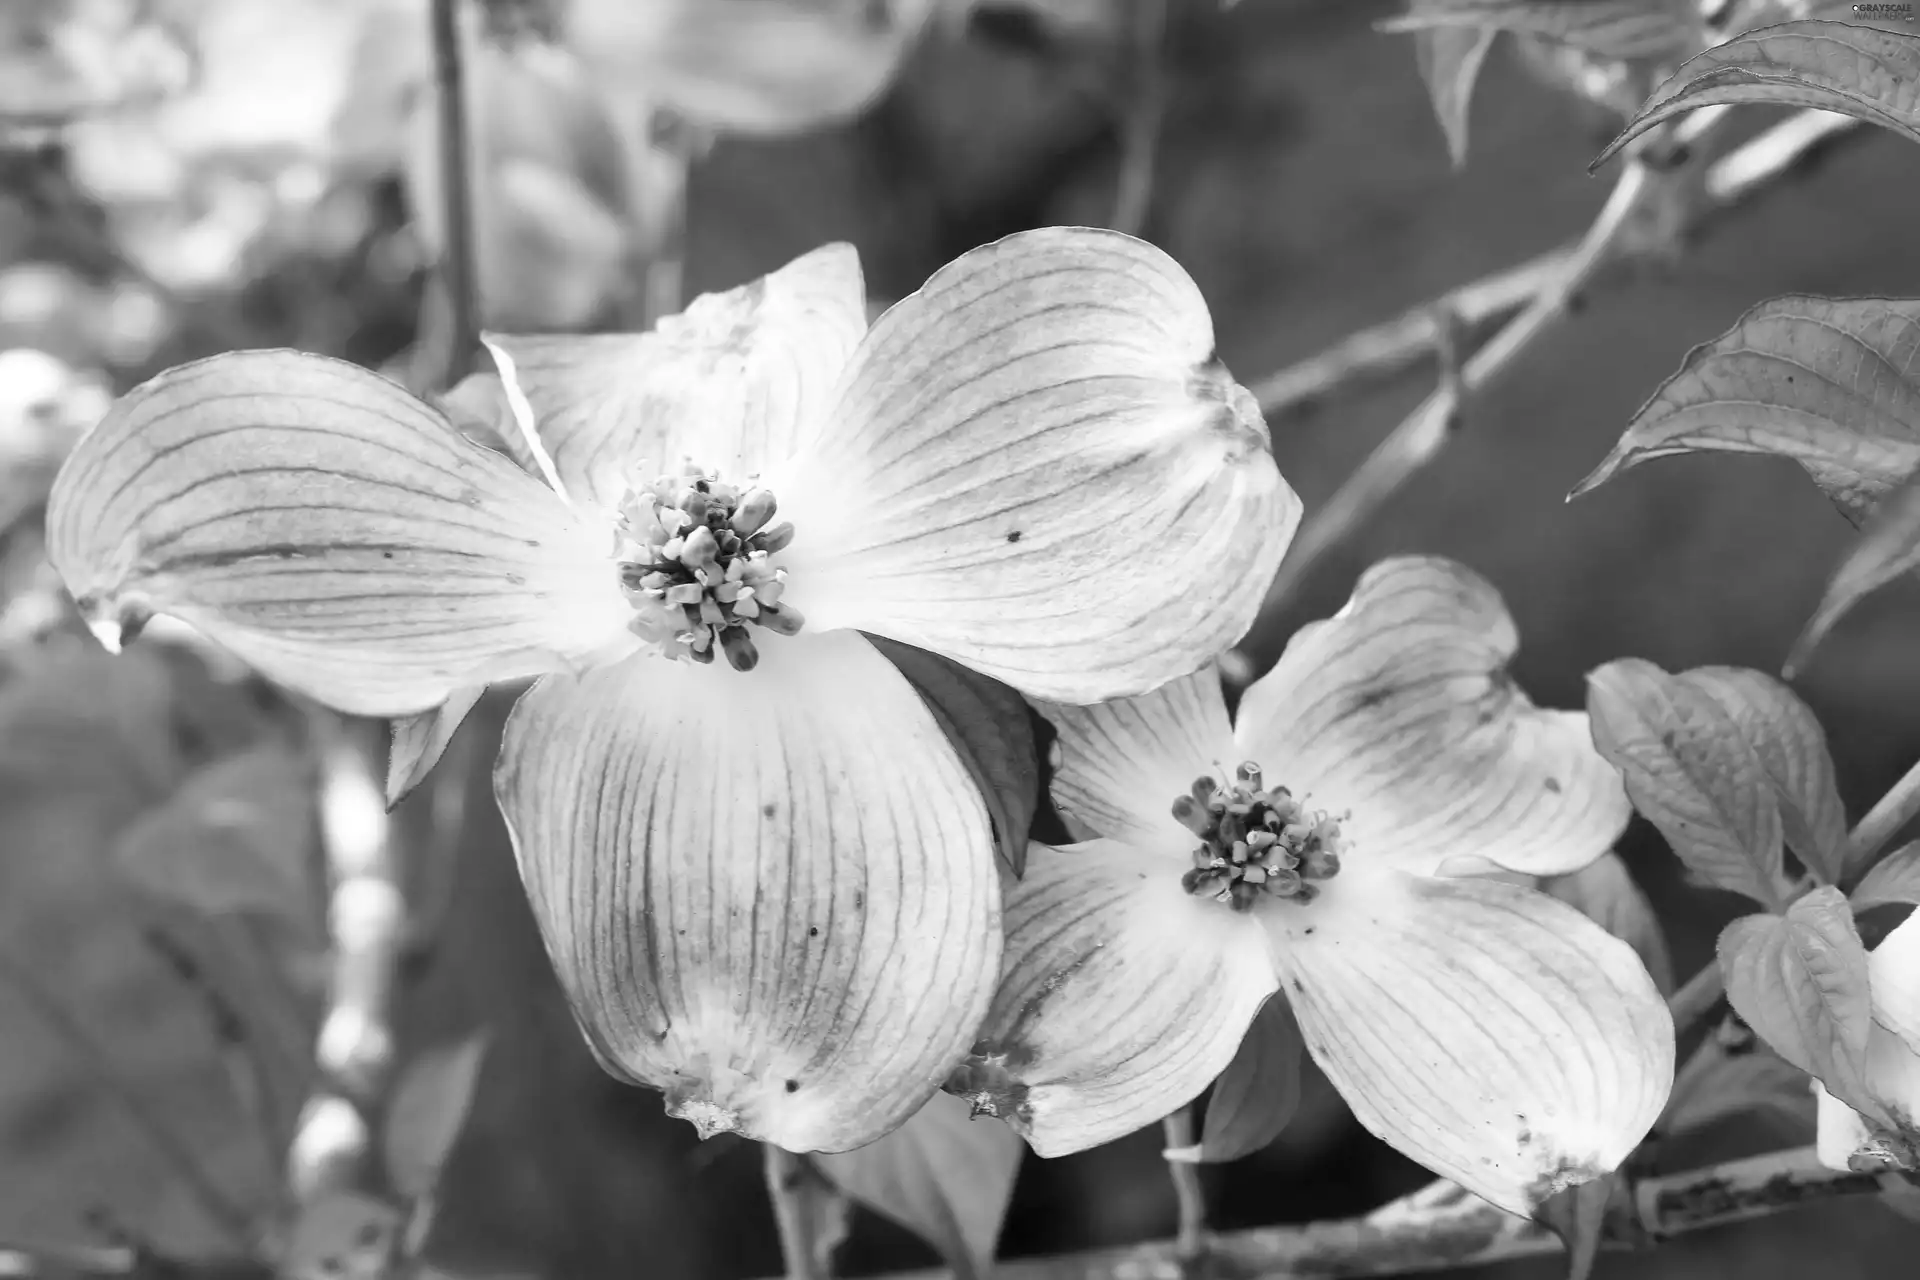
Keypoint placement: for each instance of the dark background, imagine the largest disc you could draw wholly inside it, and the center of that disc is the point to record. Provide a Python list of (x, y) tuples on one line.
[(1304, 184)]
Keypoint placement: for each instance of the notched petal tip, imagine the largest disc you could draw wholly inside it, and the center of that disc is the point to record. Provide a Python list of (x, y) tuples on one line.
[(1237, 414), (989, 1087)]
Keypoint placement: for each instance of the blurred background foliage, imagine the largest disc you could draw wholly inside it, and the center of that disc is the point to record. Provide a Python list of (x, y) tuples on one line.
[(179, 177)]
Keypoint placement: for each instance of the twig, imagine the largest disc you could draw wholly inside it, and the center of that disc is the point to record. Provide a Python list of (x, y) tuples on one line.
[(1441, 1229), (1190, 1245), (785, 1187), (1142, 115), (1697, 998), (366, 919), (1889, 814), (99, 1060), (453, 354), (1377, 353)]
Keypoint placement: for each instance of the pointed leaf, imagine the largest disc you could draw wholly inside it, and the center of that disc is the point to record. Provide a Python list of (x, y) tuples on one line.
[(1717, 1083), (1604, 892), (429, 1107), (1895, 878), (987, 724), (1611, 28), (1793, 747), (1256, 1095), (419, 742), (1829, 66), (1800, 981), (1889, 548), (235, 838), (942, 1175), (1833, 384), (1450, 59), (1694, 775)]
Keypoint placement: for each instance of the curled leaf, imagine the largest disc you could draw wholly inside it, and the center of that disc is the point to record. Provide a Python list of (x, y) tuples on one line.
[(1610, 28), (1889, 548), (1450, 59), (1895, 878)]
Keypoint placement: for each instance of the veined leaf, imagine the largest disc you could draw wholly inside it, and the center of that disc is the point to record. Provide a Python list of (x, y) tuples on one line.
[(1450, 59), (1895, 878), (1858, 71), (1800, 981), (1889, 548), (1604, 892), (1611, 28), (942, 1175), (1833, 384), (1256, 1095), (1692, 772), (1716, 1084)]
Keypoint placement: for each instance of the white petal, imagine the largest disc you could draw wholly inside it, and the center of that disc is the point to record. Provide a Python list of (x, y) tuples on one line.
[(331, 530), (770, 894), (1036, 467), (1839, 1130), (729, 382), (1400, 709), (1491, 1033), (1122, 763), (1121, 997), (1893, 972)]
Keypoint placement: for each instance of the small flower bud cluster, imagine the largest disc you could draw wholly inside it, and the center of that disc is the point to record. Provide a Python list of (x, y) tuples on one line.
[(1255, 842), (695, 561)]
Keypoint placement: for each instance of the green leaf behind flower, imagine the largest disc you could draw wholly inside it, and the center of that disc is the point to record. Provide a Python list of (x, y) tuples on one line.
[(942, 1175), (1257, 1094), (1450, 59), (1830, 66), (1833, 384), (1604, 892), (1719, 1082), (988, 725), (1800, 981), (1610, 28), (429, 1108), (1889, 549), (1894, 878)]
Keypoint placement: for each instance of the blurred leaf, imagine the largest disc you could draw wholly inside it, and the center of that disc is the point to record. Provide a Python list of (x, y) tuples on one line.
[(825, 1211), (1604, 892), (1889, 548), (429, 1107), (1611, 28), (1716, 1084), (1256, 1095), (1577, 1215), (988, 726), (1450, 59), (1800, 981), (1832, 384), (236, 837), (1692, 772), (342, 1236), (1829, 66), (942, 1175), (1793, 748), (1894, 878)]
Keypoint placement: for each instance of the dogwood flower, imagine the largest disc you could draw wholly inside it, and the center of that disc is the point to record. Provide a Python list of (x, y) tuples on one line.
[(1318, 849), (761, 870), (1890, 1073)]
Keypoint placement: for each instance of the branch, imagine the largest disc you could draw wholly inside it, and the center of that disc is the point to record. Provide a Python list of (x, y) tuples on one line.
[(1141, 116), (1884, 821), (1377, 353), (1441, 1227), (449, 354)]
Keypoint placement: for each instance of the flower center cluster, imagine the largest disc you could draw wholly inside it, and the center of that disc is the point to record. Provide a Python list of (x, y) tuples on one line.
[(695, 561), (1255, 842)]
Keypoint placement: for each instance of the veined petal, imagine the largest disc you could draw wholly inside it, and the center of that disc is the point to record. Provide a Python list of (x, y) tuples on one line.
[(729, 382), (1491, 1033), (1036, 467), (1399, 709), (1122, 763), (1121, 997), (770, 893), (332, 531)]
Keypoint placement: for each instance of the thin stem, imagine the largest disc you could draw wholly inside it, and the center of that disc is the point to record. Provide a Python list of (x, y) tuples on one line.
[(1884, 821), (1697, 998), (1141, 118), (98, 1059), (456, 273), (785, 1179), (1190, 1245), (664, 279)]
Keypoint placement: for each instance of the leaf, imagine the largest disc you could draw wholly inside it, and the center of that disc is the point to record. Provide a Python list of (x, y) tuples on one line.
[(1800, 981), (1693, 774), (1793, 747), (1889, 548), (988, 725), (1604, 892), (1256, 1095), (1450, 59), (1716, 1084), (942, 1175), (1829, 66), (1611, 28), (1894, 878), (1833, 384), (429, 1107), (236, 838), (419, 741), (342, 1236), (1578, 1215)]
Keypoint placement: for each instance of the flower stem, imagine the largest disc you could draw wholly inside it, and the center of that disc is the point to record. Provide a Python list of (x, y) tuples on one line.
[(1190, 1245), (1141, 117), (452, 350), (1699, 997), (785, 1178), (1884, 821)]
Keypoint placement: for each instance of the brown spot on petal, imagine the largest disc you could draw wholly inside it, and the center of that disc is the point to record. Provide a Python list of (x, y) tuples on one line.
[(708, 1119), (986, 1081)]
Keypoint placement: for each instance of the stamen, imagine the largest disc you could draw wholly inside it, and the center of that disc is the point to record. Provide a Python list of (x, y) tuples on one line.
[(694, 557), (1256, 843)]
